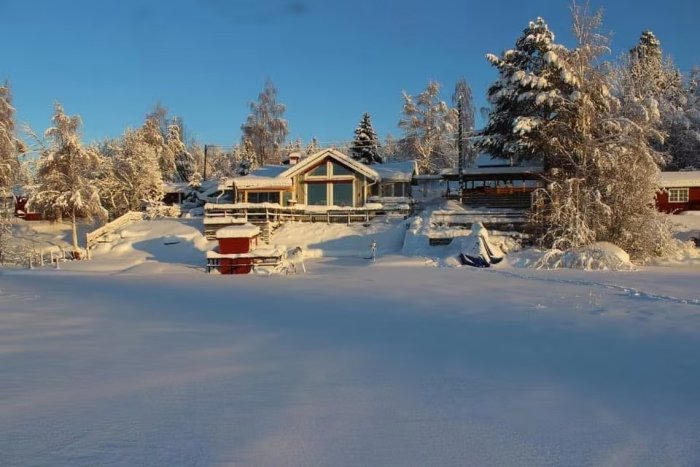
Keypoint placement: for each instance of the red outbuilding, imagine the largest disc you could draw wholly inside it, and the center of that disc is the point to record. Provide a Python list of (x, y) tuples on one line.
[(680, 192), (239, 251)]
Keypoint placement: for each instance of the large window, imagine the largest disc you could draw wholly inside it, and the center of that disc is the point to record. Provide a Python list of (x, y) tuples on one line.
[(263, 197), (342, 194), (678, 195), (317, 194)]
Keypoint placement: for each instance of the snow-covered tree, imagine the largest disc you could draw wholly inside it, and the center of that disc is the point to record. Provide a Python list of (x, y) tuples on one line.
[(463, 102), (165, 155), (527, 93), (365, 146), (651, 93), (428, 124), (10, 145), (265, 127), (185, 164), (66, 174), (136, 175), (390, 150), (602, 175), (248, 158), (683, 127), (313, 147)]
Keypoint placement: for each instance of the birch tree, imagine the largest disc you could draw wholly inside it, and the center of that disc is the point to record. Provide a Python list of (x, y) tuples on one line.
[(428, 124), (66, 174), (265, 127)]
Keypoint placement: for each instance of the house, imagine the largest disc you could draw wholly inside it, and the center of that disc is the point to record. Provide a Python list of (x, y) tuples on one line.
[(494, 186), (327, 178), (396, 181), (680, 191)]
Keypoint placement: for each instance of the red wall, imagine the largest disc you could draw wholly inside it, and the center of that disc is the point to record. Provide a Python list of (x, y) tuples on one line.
[(693, 203), (236, 245), (235, 266)]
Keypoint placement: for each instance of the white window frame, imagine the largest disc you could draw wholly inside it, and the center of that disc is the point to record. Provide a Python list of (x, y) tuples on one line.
[(678, 195)]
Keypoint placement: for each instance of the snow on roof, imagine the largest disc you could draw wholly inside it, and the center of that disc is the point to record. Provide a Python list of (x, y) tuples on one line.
[(269, 171), (253, 181), (238, 231), (175, 187), (333, 154), (396, 171), (679, 179), (508, 169)]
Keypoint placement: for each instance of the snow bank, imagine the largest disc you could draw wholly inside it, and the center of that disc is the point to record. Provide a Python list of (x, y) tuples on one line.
[(601, 256), (341, 240)]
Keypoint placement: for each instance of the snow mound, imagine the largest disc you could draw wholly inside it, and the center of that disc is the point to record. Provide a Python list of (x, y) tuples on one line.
[(601, 256)]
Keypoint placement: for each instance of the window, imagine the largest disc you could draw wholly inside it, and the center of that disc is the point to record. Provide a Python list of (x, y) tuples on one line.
[(264, 197), (340, 170), (316, 194), (320, 171), (342, 194), (678, 195)]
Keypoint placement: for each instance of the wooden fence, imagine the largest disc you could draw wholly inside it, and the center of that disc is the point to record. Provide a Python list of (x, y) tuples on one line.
[(94, 237)]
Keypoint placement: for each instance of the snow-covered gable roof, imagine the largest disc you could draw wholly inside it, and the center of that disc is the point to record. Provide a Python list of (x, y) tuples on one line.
[(238, 231), (311, 161), (265, 177), (680, 179), (269, 170), (397, 171)]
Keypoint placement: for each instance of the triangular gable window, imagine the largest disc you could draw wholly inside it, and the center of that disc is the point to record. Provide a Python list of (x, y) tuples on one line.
[(320, 171), (340, 170)]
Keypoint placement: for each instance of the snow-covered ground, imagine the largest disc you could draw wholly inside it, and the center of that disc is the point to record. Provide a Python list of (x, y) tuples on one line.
[(139, 358)]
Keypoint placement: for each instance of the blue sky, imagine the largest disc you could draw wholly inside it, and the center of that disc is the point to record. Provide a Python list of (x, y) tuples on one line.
[(330, 60)]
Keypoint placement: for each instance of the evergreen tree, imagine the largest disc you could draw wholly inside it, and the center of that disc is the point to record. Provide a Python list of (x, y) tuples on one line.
[(428, 125), (464, 104), (651, 92), (265, 127), (365, 146), (248, 158), (313, 147), (66, 174), (527, 93), (185, 164)]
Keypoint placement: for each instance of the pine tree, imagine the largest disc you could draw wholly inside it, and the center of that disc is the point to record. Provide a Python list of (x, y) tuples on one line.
[(428, 125), (313, 147), (265, 127), (651, 92), (527, 93), (66, 174), (463, 102), (365, 145), (184, 161), (248, 158)]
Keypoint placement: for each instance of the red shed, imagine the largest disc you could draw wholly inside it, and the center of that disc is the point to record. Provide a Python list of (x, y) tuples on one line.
[(234, 253), (680, 192)]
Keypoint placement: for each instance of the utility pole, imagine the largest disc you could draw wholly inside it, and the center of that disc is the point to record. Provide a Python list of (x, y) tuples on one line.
[(460, 147), (204, 171)]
